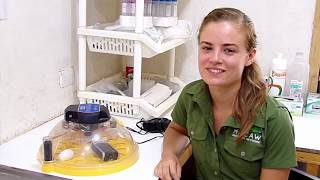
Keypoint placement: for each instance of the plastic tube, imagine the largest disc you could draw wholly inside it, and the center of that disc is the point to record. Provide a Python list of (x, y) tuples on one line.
[(47, 148)]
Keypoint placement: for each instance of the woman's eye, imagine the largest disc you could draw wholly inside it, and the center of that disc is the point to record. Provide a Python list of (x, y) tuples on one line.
[(206, 48), (229, 51)]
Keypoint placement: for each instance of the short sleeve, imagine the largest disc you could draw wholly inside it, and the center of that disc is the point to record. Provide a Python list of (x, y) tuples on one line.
[(280, 151), (179, 113)]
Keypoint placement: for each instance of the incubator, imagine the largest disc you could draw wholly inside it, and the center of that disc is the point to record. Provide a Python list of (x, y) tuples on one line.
[(88, 142)]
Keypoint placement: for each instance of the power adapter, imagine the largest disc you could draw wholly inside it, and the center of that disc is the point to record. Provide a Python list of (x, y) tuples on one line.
[(155, 125)]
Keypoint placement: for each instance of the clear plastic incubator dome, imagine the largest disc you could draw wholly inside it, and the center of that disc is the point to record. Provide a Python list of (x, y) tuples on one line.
[(88, 142)]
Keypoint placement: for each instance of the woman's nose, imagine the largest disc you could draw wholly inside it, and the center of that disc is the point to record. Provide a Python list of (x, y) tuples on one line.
[(216, 56)]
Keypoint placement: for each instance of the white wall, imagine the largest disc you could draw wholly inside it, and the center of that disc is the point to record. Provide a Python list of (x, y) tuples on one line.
[(281, 25), (36, 42)]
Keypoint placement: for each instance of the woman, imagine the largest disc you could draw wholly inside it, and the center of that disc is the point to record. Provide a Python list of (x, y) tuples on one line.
[(236, 130)]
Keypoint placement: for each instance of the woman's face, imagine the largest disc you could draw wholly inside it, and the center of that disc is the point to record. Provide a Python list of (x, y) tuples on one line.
[(223, 54)]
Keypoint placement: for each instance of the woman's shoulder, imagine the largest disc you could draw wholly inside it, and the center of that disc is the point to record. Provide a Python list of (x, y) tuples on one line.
[(272, 102), (275, 109), (194, 86), (195, 83)]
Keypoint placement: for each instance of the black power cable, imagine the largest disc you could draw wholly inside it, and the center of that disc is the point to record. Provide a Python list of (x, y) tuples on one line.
[(154, 125)]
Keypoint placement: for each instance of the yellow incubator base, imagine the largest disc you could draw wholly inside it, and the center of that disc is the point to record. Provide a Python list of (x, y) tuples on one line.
[(80, 149)]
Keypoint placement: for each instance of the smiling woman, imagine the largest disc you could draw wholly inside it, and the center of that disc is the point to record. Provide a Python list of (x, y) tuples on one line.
[(235, 129)]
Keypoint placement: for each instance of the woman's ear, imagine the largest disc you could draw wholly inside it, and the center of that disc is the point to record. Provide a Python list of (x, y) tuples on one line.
[(251, 57)]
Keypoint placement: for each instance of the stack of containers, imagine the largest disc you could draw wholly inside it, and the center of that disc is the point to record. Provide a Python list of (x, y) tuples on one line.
[(164, 13), (296, 85), (128, 12)]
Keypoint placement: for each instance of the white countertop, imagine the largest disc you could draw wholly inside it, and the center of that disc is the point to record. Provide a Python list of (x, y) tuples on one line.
[(307, 132), (21, 152)]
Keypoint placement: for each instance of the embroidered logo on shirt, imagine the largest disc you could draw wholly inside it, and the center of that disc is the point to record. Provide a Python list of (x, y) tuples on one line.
[(254, 135)]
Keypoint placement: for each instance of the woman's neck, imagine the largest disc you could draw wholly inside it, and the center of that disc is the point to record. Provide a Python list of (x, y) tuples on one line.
[(224, 97)]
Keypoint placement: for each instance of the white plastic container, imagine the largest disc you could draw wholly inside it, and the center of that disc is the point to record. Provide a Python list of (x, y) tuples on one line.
[(164, 13), (131, 21), (298, 77), (128, 13), (278, 75)]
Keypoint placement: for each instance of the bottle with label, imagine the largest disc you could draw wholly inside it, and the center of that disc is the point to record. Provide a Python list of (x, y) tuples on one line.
[(298, 77), (129, 69), (278, 75)]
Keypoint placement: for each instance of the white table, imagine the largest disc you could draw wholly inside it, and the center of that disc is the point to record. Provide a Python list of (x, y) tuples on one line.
[(307, 132), (21, 152)]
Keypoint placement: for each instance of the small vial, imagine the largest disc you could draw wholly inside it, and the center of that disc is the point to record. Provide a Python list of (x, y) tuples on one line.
[(47, 148), (129, 8), (124, 7), (132, 7), (162, 8), (168, 4), (147, 7), (155, 4), (174, 8)]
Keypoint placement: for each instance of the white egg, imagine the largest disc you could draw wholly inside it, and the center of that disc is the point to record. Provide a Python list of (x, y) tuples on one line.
[(66, 155)]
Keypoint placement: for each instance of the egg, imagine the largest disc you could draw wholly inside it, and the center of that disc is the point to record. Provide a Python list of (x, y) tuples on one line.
[(66, 154)]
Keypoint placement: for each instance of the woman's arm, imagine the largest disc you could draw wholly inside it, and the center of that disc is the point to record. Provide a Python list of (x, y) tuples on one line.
[(275, 174), (174, 142)]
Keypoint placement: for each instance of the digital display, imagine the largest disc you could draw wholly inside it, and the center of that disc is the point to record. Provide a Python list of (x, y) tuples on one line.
[(89, 108)]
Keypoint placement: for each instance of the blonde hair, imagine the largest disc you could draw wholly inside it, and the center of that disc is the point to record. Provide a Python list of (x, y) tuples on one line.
[(252, 94)]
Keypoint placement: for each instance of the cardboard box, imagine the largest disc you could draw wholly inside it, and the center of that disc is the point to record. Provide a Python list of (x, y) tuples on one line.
[(295, 106), (313, 103)]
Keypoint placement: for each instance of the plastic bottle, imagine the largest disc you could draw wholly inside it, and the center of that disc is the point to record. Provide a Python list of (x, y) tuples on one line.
[(298, 77), (132, 7), (278, 75), (168, 9), (174, 8), (155, 7), (147, 7), (129, 69)]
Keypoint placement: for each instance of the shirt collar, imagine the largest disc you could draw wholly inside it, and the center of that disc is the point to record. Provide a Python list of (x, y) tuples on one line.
[(260, 121), (201, 95)]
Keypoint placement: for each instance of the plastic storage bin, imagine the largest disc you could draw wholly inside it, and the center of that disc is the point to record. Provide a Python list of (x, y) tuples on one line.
[(122, 43), (127, 106)]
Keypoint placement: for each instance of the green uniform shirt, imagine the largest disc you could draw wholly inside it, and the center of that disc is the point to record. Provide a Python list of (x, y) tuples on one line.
[(269, 144)]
